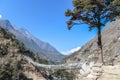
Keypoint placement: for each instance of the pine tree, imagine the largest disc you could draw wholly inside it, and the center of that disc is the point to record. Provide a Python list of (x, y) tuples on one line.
[(95, 13)]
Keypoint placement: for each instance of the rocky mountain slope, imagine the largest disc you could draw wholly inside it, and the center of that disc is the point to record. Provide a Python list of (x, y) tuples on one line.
[(111, 46), (45, 50)]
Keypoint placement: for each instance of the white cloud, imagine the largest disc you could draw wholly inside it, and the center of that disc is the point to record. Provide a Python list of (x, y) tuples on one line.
[(0, 16), (68, 52)]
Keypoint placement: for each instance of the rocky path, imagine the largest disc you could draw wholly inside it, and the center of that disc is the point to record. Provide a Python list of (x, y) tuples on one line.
[(101, 73), (110, 73)]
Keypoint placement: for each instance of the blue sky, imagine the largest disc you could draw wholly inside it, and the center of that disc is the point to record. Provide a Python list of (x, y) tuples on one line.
[(45, 19)]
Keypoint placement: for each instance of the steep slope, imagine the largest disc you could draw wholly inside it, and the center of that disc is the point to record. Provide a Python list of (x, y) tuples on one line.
[(111, 45), (35, 45)]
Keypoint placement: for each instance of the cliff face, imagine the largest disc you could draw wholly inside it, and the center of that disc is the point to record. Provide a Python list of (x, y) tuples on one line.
[(111, 45)]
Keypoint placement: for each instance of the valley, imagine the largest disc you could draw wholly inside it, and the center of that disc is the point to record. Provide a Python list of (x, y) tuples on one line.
[(80, 65)]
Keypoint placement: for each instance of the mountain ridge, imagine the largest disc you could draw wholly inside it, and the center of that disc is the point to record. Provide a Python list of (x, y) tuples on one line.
[(44, 49)]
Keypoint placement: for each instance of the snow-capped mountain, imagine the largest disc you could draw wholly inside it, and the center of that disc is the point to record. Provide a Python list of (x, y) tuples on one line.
[(34, 44), (69, 52)]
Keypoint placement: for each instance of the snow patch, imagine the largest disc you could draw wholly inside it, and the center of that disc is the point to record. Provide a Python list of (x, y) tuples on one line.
[(27, 33)]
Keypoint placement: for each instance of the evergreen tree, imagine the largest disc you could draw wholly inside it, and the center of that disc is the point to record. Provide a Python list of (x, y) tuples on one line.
[(95, 13)]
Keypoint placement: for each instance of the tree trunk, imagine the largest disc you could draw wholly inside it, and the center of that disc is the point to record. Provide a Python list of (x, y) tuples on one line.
[(100, 52)]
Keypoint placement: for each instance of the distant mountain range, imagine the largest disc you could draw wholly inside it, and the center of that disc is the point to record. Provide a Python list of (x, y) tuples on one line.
[(44, 49)]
